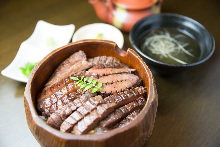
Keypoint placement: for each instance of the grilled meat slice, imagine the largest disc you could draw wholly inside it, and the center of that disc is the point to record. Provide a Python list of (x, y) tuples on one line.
[(108, 71), (116, 100), (49, 90), (106, 62), (122, 112), (77, 67), (66, 67), (127, 119), (81, 112), (91, 120), (126, 96), (57, 118), (61, 97), (116, 78), (128, 81)]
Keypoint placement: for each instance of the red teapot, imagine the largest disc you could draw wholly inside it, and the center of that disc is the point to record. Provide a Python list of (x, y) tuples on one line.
[(125, 13)]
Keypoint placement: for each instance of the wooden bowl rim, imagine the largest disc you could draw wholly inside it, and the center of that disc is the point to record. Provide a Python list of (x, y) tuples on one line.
[(103, 136)]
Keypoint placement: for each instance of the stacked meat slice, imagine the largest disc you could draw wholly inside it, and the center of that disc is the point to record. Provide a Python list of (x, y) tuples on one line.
[(71, 109)]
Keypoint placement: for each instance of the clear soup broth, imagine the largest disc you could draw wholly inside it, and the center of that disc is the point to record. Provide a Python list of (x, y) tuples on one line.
[(170, 46)]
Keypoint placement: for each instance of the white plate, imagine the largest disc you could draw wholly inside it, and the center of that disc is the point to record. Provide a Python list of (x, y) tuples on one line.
[(91, 31), (45, 38)]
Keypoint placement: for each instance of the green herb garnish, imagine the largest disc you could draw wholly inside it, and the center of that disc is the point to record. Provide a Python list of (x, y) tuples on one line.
[(27, 68), (100, 36), (88, 84)]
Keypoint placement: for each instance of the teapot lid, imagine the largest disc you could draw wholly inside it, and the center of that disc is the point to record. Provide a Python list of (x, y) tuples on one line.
[(135, 4)]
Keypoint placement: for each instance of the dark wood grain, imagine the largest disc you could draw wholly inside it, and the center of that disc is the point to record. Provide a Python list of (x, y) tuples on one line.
[(188, 112)]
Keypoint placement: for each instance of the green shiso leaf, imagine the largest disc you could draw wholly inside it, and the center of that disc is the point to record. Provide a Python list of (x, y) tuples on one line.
[(94, 89), (88, 87), (100, 84), (83, 82)]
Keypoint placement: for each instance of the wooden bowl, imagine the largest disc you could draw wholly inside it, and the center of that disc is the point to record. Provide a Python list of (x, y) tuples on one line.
[(133, 134)]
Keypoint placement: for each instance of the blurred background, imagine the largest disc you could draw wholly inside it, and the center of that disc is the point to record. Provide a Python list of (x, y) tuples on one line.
[(188, 112)]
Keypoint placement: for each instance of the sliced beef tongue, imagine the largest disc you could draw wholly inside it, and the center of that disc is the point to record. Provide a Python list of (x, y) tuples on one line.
[(127, 81), (130, 117), (81, 112), (117, 78), (122, 112), (91, 120), (111, 102), (56, 118), (106, 62), (108, 71), (74, 58), (126, 96), (61, 97), (49, 90), (77, 67), (59, 94), (67, 66), (127, 119)]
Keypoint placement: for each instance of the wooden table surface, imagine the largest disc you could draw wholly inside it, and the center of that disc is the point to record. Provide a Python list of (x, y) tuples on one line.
[(189, 103)]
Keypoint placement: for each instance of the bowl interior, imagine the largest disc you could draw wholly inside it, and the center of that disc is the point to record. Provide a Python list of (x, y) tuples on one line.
[(181, 23)]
